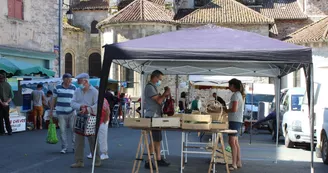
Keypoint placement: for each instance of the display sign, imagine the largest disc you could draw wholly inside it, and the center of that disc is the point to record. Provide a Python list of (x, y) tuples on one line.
[(18, 123)]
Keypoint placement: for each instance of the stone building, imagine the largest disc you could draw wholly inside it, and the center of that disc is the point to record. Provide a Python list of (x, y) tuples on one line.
[(29, 31), (81, 38), (138, 19), (314, 35)]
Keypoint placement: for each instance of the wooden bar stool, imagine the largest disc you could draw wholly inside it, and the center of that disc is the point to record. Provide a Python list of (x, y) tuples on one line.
[(140, 152)]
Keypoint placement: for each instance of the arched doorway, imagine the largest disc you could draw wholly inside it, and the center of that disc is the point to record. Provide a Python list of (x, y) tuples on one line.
[(69, 63), (94, 64)]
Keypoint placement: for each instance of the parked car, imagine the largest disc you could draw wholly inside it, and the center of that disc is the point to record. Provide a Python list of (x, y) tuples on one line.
[(321, 120), (322, 134), (295, 124)]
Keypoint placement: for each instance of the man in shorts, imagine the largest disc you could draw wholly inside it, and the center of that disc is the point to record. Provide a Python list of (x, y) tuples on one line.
[(38, 99), (153, 107)]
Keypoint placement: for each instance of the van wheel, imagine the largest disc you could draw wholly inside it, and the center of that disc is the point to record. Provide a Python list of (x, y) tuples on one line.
[(324, 149), (288, 142)]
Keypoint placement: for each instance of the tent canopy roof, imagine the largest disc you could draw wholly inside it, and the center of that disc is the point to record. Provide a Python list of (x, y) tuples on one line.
[(210, 50)]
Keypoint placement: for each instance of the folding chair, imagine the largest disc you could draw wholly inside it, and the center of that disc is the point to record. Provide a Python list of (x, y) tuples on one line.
[(115, 117)]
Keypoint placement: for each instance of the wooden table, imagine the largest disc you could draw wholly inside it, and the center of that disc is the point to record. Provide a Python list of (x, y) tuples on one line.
[(217, 135)]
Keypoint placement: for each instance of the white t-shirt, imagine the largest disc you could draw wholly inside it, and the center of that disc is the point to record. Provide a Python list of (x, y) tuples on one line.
[(236, 116)]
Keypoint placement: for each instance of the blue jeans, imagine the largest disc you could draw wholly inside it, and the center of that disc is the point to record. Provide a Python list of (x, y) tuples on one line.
[(63, 121)]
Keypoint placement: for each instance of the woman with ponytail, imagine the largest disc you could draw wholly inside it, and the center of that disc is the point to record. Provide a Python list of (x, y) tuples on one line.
[(235, 116)]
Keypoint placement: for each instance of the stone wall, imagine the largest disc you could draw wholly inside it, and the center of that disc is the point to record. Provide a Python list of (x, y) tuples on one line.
[(74, 43), (286, 27), (259, 29), (37, 31), (317, 7), (83, 19)]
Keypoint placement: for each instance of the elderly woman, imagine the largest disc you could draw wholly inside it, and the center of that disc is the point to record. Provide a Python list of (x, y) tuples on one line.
[(235, 116)]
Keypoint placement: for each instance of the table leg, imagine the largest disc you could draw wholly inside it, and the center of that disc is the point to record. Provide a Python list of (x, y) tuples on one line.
[(167, 144), (137, 160), (214, 148), (224, 152), (182, 149), (141, 154), (186, 144), (152, 145), (148, 152)]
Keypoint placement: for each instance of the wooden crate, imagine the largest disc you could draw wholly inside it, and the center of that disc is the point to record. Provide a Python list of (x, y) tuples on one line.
[(178, 115), (137, 122), (166, 122), (190, 122), (221, 126)]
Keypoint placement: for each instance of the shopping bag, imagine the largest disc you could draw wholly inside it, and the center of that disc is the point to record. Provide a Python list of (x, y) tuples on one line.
[(169, 106), (52, 134), (85, 124)]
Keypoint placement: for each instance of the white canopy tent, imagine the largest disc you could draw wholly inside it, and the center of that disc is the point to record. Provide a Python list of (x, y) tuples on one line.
[(210, 51)]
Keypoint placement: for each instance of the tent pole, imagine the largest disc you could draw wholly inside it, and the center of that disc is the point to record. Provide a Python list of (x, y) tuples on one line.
[(142, 83), (176, 90), (108, 59), (311, 113), (250, 136), (277, 86)]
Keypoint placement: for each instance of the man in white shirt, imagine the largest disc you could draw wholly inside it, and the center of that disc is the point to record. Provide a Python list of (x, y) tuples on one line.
[(84, 101)]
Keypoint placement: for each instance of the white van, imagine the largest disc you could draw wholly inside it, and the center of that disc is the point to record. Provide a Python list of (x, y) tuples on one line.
[(295, 124)]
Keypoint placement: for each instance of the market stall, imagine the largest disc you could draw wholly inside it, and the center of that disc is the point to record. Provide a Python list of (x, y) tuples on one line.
[(210, 50)]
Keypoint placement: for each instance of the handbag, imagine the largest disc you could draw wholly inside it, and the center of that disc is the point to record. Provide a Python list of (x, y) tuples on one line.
[(169, 106), (85, 124)]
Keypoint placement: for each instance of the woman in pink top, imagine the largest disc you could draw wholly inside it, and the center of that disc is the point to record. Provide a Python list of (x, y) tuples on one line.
[(103, 132)]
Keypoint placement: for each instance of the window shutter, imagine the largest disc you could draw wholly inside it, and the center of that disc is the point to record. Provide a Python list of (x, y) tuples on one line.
[(11, 8), (19, 9)]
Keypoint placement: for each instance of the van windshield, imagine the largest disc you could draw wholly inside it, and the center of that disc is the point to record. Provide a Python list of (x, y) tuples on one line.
[(258, 98), (297, 101)]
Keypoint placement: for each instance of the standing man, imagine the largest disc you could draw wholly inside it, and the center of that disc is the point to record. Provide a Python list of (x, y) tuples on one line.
[(62, 98), (38, 100), (84, 101), (153, 107), (5, 98)]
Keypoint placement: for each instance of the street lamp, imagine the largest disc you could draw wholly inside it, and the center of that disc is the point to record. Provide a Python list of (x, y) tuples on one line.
[(69, 15)]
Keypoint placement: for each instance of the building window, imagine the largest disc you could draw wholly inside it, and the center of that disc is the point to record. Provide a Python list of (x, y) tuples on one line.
[(15, 9), (94, 30), (95, 64), (69, 63)]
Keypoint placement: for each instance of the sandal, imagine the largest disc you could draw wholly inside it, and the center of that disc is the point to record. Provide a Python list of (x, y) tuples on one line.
[(239, 166), (232, 168)]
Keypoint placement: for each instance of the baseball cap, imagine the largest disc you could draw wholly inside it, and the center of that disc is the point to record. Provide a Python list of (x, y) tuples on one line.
[(83, 76), (67, 75)]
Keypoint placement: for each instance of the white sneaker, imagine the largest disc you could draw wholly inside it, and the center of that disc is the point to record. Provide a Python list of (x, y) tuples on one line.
[(63, 151), (104, 157), (89, 156)]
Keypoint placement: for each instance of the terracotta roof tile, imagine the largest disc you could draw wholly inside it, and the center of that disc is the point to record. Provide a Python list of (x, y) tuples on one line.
[(139, 11), (281, 9), (315, 32), (67, 26), (91, 5), (225, 12)]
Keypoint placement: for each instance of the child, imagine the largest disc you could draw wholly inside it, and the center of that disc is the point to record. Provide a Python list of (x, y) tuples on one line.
[(103, 131)]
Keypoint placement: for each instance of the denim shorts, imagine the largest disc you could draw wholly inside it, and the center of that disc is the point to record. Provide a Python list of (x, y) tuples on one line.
[(235, 126)]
